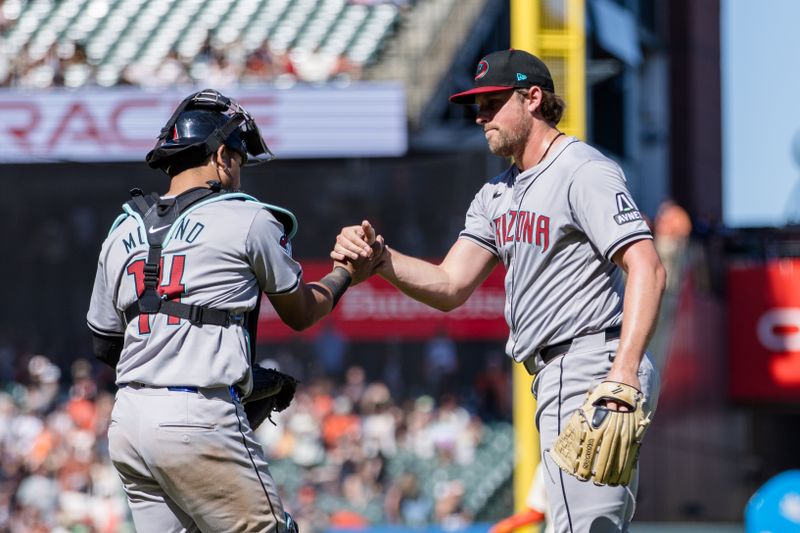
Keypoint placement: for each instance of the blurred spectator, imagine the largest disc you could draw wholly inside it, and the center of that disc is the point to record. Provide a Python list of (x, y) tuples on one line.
[(535, 511), (305, 509), (671, 234), (453, 435), (307, 448), (345, 70), (330, 347), (379, 425), (43, 389), (392, 373), (355, 383), (171, 72), (406, 504), (222, 72), (346, 519), (449, 508), (73, 67), (55, 472), (334, 454), (313, 65), (441, 362), (493, 387), (341, 423), (417, 438), (66, 64), (259, 65)]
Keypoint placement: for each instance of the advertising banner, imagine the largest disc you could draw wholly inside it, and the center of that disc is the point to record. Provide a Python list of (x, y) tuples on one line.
[(121, 124), (374, 310), (764, 331)]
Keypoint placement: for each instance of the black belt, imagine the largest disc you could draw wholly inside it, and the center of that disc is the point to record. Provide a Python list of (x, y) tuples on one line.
[(548, 353)]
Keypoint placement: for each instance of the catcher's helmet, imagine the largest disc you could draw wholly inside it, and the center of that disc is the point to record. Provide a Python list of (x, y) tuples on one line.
[(202, 123)]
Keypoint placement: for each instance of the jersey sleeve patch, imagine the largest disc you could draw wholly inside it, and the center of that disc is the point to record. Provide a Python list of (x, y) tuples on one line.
[(626, 210)]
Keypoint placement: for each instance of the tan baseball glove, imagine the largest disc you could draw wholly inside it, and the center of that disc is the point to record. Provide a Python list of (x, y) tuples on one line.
[(602, 444)]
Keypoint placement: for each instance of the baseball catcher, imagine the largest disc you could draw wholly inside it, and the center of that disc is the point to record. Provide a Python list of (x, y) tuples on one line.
[(600, 443), (174, 310)]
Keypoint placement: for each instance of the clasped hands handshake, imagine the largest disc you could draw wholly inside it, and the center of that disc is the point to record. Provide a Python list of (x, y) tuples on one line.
[(360, 251)]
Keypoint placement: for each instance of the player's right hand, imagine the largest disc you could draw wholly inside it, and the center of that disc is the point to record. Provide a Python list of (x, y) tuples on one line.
[(354, 242), (364, 267)]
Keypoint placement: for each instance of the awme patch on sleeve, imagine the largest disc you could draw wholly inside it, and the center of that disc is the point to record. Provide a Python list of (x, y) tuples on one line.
[(626, 210)]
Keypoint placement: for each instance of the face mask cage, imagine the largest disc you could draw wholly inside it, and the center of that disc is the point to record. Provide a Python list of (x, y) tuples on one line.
[(257, 150)]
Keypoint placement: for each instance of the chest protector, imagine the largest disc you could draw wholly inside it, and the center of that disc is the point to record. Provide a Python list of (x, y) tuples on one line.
[(156, 216)]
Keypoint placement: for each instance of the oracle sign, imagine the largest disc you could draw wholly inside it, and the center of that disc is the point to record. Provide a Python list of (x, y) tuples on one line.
[(375, 310), (764, 330), (121, 124)]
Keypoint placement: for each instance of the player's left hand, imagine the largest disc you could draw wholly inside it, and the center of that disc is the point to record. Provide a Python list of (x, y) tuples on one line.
[(615, 436), (354, 242), (621, 376), (358, 250), (363, 267)]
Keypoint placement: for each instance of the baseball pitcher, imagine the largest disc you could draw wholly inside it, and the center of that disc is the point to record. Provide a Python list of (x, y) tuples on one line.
[(562, 222)]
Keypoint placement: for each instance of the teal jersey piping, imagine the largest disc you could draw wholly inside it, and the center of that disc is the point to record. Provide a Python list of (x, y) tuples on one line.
[(229, 196), (118, 221)]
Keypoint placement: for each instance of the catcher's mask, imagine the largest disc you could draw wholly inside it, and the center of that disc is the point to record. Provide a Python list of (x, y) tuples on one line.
[(202, 123)]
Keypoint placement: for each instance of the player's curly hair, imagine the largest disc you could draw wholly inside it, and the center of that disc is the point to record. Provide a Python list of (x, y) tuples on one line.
[(552, 106)]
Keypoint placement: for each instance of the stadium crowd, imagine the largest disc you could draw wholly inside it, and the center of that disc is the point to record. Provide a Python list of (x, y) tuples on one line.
[(221, 65), (345, 453), (66, 65)]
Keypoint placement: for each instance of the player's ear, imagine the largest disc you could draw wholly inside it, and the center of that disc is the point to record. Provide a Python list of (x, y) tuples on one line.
[(534, 99), (222, 157)]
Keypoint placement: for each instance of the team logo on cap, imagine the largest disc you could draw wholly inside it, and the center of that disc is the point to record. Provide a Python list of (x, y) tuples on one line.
[(483, 68)]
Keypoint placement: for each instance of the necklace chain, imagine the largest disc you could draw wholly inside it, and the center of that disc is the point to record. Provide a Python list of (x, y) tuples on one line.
[(560, 133)]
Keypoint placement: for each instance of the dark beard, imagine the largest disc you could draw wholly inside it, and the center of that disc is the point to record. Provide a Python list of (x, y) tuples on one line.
[(507, 144)]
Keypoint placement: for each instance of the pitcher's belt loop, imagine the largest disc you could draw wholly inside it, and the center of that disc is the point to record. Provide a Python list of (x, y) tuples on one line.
[(548, 353)]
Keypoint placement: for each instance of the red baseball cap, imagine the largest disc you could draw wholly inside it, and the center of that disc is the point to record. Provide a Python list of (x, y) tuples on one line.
[(504, 70)]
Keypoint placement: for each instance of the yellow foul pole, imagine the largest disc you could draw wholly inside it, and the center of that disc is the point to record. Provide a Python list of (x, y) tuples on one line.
[(554, 31)]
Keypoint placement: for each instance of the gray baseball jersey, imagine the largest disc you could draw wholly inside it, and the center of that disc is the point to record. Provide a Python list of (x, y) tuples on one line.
[(177, 422), (556, 227), (220, 253)]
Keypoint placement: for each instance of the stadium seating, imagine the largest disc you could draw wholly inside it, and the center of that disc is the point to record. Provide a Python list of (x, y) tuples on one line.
[(482, 478), (118, 34)]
